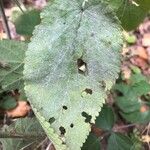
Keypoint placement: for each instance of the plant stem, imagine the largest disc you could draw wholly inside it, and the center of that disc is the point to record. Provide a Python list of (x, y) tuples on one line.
[(23, 136), (5, 22), (19, 5)]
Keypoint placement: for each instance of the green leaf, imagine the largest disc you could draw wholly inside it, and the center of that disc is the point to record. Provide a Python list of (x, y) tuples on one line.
[(130, 102), (119, 141), (92, 142), (130, 12), (137, 116), (11, 64), (7, 102), (71, 62), (28, 128), (26, 22), (130, 38), (137, 77), (106, 118)]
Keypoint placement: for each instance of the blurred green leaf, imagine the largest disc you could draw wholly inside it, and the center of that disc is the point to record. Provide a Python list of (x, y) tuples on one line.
[(130, 12), (11, 64), (119, 141), (136, 70), (130, 102), (106, 118), (130, 38), (137, 116), (7, 102), (131, 15), (26, 22), (128, 105), (26, 127), (92, 143), (138, 77)]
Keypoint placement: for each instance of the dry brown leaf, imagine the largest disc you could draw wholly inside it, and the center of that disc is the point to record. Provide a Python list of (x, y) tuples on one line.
[(144, 27), (146, 40), (144, 108), (140, 51), (140, 62), (126, 71), (146, 139), (21, 110)]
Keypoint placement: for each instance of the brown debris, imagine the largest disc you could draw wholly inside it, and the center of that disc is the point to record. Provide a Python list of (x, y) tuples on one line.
[(146, 40), (21, 110)]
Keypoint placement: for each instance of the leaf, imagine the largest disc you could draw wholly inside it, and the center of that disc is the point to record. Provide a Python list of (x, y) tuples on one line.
[(28, 128), (130, 12), (131, 103), (7, 102), (11, 64), (71, 62), (119, 141), (137, 116), (26, 22), (92, 142), (106, 118)]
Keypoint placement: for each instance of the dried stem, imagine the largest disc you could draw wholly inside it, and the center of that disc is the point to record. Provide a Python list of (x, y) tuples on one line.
[(5, 22), (23, 136)]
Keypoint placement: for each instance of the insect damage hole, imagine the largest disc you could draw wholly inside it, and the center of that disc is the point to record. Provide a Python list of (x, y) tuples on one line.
[(72, 125), (62, 130), (65, 107), (51, 120), (87, 117), (88, 91), (82, 66)]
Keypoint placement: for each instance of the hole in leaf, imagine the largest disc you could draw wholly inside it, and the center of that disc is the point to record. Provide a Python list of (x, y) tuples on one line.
[(62, 130), (51, 120), (72, 125), (88, 91), (65, 107), (82, 66), (87, 117)]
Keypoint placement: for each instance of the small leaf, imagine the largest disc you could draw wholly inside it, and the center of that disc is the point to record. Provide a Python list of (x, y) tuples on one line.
[(26, 22), (7, 102), (130, 38), (92, 142), (119, 141), (106, 118)]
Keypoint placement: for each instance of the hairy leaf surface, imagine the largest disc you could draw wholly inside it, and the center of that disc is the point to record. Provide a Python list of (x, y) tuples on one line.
[(72, 60)]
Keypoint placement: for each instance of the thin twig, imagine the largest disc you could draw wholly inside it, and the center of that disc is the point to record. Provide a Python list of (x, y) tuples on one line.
[(19, 5), (23, 136), (5, 22), (125, 126), (40, 144)]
